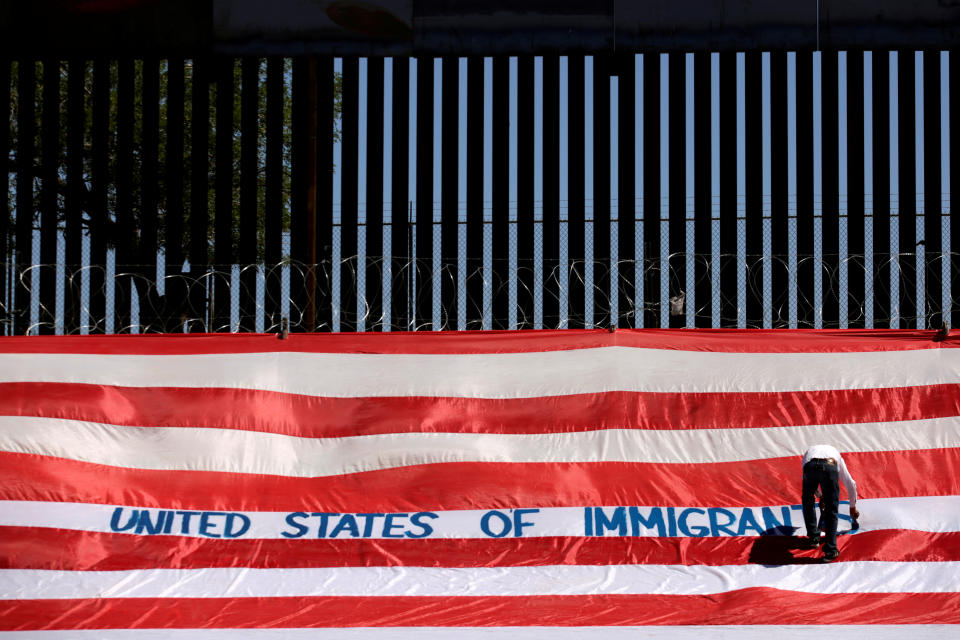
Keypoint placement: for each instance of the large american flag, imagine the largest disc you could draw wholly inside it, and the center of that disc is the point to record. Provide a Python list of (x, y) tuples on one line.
[(571, 484)]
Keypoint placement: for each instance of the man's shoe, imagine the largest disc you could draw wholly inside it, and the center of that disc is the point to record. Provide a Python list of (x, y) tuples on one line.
[(830, 556), (814, 541)]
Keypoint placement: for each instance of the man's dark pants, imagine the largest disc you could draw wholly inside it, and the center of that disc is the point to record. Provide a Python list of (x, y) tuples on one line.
[(820, 473)]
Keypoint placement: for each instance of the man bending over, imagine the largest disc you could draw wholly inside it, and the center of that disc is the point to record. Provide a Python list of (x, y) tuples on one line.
[(823, 467)]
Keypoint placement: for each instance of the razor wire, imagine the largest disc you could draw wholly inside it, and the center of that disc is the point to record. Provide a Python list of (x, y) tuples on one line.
[(392, 295)]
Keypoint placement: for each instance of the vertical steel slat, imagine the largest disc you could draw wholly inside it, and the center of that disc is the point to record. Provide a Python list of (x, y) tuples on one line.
[(728, 189), (805, 202), (401, 233), (954, 147), (856, 284), (602, 67), (525, 196), (881, 188), (651, 189), (626, 190), (323, 240), (779, 196), (449, 195), (299, 113), (75, 190), (249, 178), (273, 192), (349, 137), (374, 195), (99, 217), (575, 189), (199, 192), (223, 253), (829, 105), (123, 237), (753, 117), (5, 239), (931, 188), (175, 291), (149, 194), (26, 130), (475, 168), (99, 187), (703, 201), (5, 105), (678, 183), (423, 305), (551, 190), (300, 185), (309, 197), (907, 157), (49, 178), (501, 191)]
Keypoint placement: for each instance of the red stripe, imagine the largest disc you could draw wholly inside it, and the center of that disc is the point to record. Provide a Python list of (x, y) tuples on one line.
[(311, 416), (479, 485), (726, 340), (70, 550), (747, 606)]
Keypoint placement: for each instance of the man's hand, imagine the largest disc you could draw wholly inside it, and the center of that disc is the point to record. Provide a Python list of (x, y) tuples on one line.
[(855, 514)]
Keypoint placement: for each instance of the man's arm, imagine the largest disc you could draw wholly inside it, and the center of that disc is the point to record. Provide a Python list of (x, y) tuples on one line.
[(851, 486)]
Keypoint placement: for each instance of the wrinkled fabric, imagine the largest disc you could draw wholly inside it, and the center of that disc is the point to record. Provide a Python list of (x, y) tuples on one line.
[(575, 480)]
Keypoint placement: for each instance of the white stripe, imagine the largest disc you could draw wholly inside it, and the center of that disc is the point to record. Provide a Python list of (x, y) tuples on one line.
[(653, 632), (506, 375), (243, 582), (236, 451), (924, 513)]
